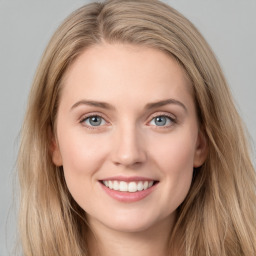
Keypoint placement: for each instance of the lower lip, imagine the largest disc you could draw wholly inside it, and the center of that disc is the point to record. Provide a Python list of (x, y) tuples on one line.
[(128, 197)]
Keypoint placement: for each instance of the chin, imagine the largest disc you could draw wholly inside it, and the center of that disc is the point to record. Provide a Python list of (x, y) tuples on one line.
[(130, 227), (135, 222)]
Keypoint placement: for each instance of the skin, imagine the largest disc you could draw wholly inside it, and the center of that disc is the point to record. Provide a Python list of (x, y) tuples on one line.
[(128, 142)]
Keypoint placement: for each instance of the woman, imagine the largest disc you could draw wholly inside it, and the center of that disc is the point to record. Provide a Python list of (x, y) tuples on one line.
[(131, 143)]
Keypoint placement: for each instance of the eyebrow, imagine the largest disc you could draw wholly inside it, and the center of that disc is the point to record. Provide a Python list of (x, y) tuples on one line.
[(148, 106), (93, 103), (165, 102)]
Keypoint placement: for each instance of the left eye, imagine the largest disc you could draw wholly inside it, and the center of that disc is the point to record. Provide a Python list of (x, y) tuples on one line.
[(94, 121), (161, 121)]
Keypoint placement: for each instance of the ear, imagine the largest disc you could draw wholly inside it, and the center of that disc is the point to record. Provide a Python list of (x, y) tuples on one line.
[(201, 149), (55, 151), (56, 155)]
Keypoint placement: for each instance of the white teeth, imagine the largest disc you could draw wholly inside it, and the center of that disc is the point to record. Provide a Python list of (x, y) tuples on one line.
[(110, 184), (140, 186), (128, 186), (123, 186), (132, 187), (116, 185), (145, 185)]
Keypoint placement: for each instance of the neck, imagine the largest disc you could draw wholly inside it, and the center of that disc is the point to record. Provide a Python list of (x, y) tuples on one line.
[(107, 242)]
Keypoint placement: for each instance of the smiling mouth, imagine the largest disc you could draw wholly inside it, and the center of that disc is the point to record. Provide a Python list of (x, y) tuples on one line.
[(133, 186)]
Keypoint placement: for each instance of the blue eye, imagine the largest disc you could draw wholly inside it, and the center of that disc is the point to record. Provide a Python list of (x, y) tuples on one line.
[(161, 121), (94, 121)]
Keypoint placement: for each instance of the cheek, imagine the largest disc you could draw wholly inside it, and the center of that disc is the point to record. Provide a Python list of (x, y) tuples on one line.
[(177, 165), (174, 158), (174, 153), (81, 153), (82, 158)]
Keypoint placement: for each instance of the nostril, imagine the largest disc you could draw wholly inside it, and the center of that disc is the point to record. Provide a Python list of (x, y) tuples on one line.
[(128, 151)]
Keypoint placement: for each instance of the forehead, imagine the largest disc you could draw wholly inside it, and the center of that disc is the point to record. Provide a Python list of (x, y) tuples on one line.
[(118, 71)]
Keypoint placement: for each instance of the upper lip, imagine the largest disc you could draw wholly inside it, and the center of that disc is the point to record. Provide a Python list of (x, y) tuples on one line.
[(128, 179)]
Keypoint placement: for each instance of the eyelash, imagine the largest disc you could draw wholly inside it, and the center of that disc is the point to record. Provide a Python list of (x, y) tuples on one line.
[(171, 119), (89, 116)]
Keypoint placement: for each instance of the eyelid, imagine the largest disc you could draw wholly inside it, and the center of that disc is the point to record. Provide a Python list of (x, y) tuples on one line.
[(84, 117), (164, 114)]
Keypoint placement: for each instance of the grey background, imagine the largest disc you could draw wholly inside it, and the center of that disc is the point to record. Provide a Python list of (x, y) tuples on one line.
[(25, 28)]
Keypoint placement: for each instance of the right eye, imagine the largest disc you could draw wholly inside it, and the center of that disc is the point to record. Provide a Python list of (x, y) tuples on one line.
[(164, 121), (94, 121)]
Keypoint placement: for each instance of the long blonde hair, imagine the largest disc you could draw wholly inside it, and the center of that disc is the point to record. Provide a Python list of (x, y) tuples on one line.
[(218, 216)]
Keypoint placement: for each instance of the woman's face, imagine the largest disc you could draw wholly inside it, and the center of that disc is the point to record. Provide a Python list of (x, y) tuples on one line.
[(127, 136)]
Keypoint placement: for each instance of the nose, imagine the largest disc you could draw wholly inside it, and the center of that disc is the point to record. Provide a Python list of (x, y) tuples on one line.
[(129, 149)]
